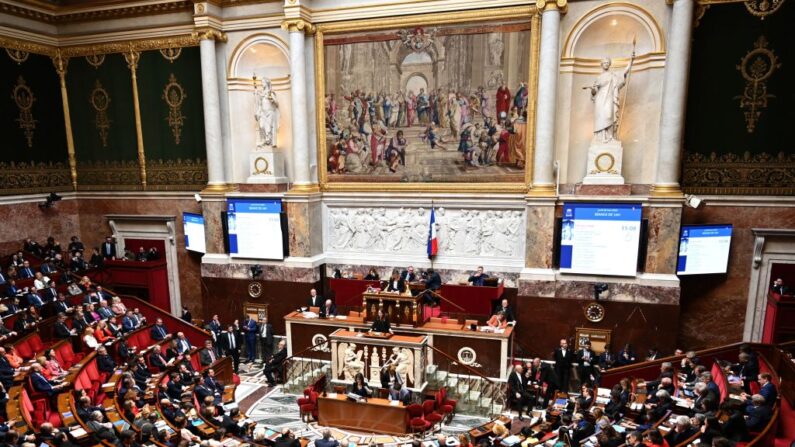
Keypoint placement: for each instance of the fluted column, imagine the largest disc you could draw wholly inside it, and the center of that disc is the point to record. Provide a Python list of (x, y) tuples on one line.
[(548, 69), (302, 181), (213, 136), (672, 122)]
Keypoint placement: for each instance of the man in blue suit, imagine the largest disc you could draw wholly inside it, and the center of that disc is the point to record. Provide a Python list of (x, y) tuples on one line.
[(159, 332), (41, 384), (327, 440), (128, 322), (766, 390), (26, 272), (250, 329)]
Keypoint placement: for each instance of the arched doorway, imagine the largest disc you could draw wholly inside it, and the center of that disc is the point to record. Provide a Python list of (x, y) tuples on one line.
[(416, 82)]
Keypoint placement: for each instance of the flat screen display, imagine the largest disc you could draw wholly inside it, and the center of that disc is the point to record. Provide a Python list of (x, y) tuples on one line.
[(193, 228), (255, 229), (600, 238), (704, 249)]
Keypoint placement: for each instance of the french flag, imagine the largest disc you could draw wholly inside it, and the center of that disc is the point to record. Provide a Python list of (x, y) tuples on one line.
[(433, 243)]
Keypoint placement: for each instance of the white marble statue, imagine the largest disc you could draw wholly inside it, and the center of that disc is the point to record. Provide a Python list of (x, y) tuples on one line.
[(267, 114), (404, 366), (605, 96), (352, 362), (495, 48)]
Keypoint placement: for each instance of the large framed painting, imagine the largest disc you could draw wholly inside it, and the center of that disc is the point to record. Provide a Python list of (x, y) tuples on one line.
[(431, 102)]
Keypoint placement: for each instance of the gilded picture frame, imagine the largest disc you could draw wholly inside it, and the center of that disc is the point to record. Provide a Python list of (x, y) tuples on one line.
[(530, 13)]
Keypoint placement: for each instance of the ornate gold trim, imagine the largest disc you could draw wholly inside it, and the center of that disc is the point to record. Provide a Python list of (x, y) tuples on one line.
[(61, 63), (210, 34), (181, 41), (95, 60), (445, 18), (22, 178), (174, 95), (296, 25), (16, 55), (756, 67), (310, 188), (544, 5), (26, 45), (100, 102), (100, 175), (133, 57), (24, 98), (171, 54), (54, 14), (665, 191), (753, 174), (179, 174)]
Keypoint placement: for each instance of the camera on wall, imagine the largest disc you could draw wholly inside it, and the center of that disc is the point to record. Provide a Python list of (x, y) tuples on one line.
[(598, 290), (256, 271), (52, 198)]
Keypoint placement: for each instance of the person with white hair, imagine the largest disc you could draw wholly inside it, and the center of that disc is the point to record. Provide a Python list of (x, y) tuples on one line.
[(758, 413), (326, 440), (681, 431)]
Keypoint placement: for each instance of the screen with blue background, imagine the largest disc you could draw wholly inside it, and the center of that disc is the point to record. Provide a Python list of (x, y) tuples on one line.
[(615, 212), (247, 206), (703, 249)]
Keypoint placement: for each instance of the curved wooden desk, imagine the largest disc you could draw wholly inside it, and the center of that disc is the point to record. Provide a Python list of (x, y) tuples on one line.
[(373, 416)]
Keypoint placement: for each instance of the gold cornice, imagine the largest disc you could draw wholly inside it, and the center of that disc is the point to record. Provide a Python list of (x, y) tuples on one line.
[(48, 13), (672, 191), (439, 18), (311, 188), (532, 108), (546, 5), (209, 34), (26, 45), (296, 25)]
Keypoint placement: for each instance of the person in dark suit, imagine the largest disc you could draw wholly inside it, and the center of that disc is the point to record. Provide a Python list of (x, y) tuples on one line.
[(249, 328), (517, 384), (75, 244), (175, 387), (108, 249), (275, 362), (327, 440), (41, 384), (60, 329), (230, 345), (212, 383), (47, 268), (563, 357), (433, 283), (478, 277), (156, 359), (540, 377), (60, 305), (779, 287), (585, 360), (681, 432), (381, 324), (506, 309), (746, 370), (582, 429), (105, 362), (265, 334), (328, 310), (360, 387), (25, 271), (389, 376), (408, 275), (372, 275), (50, 293), (186, 315), (101, 431), (229, 422), (202, 392), (396, 284), (287, 439), (207, 356), (314, 300), (128, 322), (96, 259), (158, 331)]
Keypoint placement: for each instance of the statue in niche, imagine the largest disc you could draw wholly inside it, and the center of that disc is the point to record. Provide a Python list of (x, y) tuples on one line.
[(495, 48), (605, 96), (267, 114)]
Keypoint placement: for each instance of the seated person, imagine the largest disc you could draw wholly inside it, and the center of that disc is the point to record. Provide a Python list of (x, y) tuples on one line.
[(506, 309), (408, 275), (328, 309), (681, 431), (158, 331), (360, 387), (380, 324), (396, 284), (497, 321), (389, 376), (372, 275), (766, 389), (477, 278), (433, 282), (89, 341), (758, 414), (400, 393)]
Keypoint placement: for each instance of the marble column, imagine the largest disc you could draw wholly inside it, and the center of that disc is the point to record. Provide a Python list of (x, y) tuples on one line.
[(672, 121), (548, 70), (223, 102), (213, 135), (297, 28)]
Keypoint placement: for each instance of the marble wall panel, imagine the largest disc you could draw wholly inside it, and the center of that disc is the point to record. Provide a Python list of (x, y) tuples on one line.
[(663, 239), (213, 227), (539, 236), (23, 220)]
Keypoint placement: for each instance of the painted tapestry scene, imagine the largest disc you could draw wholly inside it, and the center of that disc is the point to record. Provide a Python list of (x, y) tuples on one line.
[(428, 104)]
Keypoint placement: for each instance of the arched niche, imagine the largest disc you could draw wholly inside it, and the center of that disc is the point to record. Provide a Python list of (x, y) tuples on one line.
[(264, 54), (608, 31)]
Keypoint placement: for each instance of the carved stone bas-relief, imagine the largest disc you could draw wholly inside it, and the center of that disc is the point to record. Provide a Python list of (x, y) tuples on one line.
[(461, 232)]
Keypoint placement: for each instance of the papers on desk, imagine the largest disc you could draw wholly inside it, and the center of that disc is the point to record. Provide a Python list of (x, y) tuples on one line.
[(603, 392), (510, 441), (78, 431), (332, 395), (394, 403), (684, 403), (635, 406), (341, 317), (309, 314)]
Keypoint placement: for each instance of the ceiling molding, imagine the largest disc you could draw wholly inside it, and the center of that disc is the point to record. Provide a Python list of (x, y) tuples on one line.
[(92, 10)]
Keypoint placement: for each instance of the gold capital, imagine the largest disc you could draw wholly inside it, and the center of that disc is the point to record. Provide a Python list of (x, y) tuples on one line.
[(545, 5), (210, 34), (296, 25), (310, 188), (666, 191)]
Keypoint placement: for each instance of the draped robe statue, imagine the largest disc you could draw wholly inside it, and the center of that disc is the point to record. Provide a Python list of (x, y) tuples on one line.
[(267, 114), (605, 96)]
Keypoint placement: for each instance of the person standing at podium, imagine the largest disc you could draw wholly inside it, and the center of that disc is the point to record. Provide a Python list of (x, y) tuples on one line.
[(396, 283), (315, 300), (360, 387), (381, 324)]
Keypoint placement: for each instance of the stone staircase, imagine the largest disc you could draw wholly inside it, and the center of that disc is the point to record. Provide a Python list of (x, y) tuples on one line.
[(303, 372), (475, 395)]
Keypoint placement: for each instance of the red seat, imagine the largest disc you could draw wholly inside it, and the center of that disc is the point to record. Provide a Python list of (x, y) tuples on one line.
[(24, 350), (194, 361), (35, 343), (442, 400), (309, 409), (429, 414), (416, 420)]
